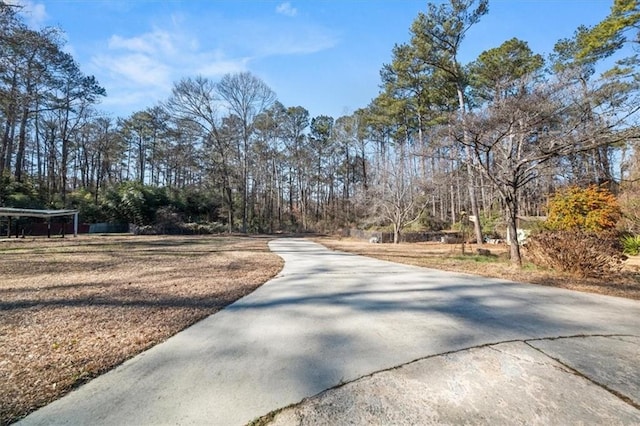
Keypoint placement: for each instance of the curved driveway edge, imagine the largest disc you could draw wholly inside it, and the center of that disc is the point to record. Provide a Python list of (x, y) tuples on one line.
[(327, 318), (507, 383)]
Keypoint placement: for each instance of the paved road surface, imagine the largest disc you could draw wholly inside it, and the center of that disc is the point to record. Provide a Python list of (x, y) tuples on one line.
[(332, 317)]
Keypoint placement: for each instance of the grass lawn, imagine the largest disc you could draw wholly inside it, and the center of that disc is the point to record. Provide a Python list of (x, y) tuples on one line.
[(71, 309), (449, 257)]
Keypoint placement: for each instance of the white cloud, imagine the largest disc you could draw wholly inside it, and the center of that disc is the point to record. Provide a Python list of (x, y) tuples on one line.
[(135, 43), (144, 61), (286, 9), (137, 69), (34, 13), (140, 69), (131, 86), (38, 13), (264, 38), (154, 42), (128, 99), (159, 57), (303, 39), (218, 68)]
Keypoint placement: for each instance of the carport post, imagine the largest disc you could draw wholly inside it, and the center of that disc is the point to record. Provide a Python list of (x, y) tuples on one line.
[(75, 224)]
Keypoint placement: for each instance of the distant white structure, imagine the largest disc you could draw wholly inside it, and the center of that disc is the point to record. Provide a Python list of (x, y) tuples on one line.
[(522, 235), (46, 214)]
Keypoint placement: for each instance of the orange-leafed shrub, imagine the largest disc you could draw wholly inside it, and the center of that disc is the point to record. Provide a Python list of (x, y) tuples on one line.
[(591, 209), (579, 234)]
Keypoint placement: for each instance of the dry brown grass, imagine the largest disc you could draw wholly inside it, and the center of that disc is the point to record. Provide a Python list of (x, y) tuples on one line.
[(449, 257), (72, 309)]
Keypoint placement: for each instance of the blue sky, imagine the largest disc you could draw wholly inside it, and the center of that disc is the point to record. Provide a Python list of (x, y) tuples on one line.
[(324, 55)]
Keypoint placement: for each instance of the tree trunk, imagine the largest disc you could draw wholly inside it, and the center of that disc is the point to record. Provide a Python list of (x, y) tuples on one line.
[(477, 226), (472, 189), (245, 184), (511, 202), (63, 171), (396, 233), (7, 150), (229, 197), (22, 141), (38, 150)]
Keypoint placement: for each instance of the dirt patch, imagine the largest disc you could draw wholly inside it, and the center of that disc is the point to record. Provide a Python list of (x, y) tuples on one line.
[(449, 257), (72, 309)]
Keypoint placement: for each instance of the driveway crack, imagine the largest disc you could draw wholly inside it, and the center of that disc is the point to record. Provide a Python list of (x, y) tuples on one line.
[(578, 373)]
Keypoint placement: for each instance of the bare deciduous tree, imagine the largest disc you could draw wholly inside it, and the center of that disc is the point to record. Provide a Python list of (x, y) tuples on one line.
[(514, 138), (247, 97)]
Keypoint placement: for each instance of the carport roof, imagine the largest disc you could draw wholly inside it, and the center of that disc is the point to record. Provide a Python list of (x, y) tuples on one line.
[(9, 211)]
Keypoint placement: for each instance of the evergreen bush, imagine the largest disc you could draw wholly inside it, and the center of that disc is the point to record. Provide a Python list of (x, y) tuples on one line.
[(631, 245)]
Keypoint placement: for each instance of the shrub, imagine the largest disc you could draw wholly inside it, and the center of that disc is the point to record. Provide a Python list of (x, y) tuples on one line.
[(630, 206), (431, 223), (581, 253), (631, 245), (22, 195), (142, 230), (591, 209), (204, 228), (490, 225), (83, 200), (578, 236), (168, 221)]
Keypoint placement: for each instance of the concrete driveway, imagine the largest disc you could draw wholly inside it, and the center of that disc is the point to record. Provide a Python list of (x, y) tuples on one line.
[(331, 318)]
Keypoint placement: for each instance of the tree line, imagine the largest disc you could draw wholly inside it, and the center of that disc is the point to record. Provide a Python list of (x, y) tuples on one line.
[(443, 141)]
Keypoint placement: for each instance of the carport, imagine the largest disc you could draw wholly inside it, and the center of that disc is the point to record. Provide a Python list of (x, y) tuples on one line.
[(10, 213)]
